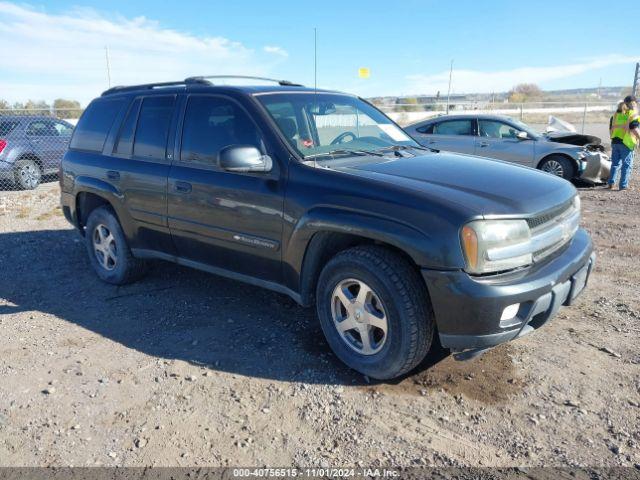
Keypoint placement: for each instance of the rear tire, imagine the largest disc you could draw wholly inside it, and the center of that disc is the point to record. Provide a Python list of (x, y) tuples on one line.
[(559, 166), (109, 253), (375, 292), (28, 174)]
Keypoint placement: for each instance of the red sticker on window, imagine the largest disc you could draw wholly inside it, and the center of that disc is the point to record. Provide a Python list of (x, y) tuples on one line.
[(307, 143)]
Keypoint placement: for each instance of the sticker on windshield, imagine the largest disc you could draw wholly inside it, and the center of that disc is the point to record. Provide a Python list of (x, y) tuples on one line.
[(394, 132)]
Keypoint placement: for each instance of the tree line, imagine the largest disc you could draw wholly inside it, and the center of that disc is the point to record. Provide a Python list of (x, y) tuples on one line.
[(61, 108)]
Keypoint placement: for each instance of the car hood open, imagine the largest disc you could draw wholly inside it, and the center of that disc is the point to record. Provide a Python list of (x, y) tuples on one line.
[(572, 138), (489, 187)]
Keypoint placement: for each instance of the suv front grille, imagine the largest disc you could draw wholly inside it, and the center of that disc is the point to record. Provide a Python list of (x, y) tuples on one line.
[(553, 229), (549, 215)]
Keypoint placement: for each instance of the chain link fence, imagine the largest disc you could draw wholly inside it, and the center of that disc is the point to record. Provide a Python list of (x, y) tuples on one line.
[(33, 141), (587, 117)]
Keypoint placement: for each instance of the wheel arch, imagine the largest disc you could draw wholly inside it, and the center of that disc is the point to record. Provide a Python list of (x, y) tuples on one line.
[(87, 202), (324, 234), (573, 161), (31, 156), (91, 193)]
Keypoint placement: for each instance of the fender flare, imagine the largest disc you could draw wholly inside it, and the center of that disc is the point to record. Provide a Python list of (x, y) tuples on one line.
[(421, 247), (105, 190)]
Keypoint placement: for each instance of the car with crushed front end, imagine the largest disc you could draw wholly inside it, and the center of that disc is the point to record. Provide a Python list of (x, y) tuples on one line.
[(566, 154), (319, 196)]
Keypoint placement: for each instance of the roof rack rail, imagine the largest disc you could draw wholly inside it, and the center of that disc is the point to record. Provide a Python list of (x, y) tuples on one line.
[(206, 79), (145, 86), (202, 80)]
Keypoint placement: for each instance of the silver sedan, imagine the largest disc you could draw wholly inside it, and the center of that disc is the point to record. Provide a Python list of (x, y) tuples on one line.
[(567, 155)]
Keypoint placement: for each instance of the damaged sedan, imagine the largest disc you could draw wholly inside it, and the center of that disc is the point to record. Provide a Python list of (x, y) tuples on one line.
[(563, 153)]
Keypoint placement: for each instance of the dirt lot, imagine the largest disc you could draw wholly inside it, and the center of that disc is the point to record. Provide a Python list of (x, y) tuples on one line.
[(184, 368)]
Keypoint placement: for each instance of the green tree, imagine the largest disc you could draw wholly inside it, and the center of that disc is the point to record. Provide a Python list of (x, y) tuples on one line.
[(524, 92), (63, 108), (408, 104), (38, 107), (4, 106)]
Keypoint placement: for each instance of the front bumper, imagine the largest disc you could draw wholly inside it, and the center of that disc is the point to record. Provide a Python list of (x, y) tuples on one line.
[(596, 167), (468, 309)]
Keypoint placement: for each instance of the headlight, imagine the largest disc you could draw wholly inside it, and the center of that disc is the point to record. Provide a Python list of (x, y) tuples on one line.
[(496, 245)]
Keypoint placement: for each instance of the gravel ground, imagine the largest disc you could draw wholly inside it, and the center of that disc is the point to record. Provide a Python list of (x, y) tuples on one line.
[(185, 368)]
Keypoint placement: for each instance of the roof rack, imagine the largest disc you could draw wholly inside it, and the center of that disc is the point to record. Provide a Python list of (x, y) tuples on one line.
[(206, 79), (200, 80), (145, 86)]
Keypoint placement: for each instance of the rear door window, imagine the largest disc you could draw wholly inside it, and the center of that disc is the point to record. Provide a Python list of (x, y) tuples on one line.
[(152, 132), (95, 123), (42, 128), (454, 127)]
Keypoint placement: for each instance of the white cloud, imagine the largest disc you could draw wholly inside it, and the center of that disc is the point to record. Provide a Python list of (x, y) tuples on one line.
[(474, 81), (45, 56), (281, 52)]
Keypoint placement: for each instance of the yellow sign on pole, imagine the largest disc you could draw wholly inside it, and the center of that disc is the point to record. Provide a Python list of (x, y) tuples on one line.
[(364, 72)]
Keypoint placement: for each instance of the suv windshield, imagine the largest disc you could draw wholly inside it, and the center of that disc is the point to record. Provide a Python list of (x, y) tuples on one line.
[(318, 124)]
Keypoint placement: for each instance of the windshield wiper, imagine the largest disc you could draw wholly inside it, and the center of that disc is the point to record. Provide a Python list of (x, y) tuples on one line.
[(396, 148), (346, 152)]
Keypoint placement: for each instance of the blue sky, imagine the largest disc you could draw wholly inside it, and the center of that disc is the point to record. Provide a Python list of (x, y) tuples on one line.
[(54, 49)]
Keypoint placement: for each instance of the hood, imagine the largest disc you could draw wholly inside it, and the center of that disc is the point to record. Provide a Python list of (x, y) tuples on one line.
[(572, 138), (480, 185)]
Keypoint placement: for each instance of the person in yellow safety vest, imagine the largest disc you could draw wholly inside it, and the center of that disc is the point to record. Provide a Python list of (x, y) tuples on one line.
[(624, 127)]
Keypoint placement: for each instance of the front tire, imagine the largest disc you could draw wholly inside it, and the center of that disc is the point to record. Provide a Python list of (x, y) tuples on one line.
[(374, 311), (559, 166), (28, 174), (108, 251)]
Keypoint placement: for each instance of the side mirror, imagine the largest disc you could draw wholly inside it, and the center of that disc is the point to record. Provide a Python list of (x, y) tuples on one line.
[(522, 136), (244, 159)]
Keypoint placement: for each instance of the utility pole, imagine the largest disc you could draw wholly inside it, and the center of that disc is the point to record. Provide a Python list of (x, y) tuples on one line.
[(106, 56), (634, 90), (449, 90)]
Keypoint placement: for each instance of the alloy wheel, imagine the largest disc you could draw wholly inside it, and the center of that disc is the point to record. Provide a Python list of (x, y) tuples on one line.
[(554, 167), (29, 175), (104, 247), (359, 316)]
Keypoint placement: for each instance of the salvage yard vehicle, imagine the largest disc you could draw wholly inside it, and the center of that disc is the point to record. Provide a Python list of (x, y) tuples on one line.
[(320, 196), (565, 154), (30, 148)]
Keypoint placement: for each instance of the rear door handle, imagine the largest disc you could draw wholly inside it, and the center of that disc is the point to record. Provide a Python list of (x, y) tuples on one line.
[(113, 175), (484, 144), (182, 187)]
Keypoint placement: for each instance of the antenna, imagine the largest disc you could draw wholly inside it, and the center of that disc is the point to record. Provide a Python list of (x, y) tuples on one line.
[(449, 90), (315, 58), (106, 55)]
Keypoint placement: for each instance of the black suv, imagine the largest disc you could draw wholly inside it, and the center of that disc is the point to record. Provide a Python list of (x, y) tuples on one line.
[(320, 196)]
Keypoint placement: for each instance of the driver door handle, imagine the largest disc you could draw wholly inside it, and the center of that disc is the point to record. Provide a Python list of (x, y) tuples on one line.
[(182, 187), (484, 144)]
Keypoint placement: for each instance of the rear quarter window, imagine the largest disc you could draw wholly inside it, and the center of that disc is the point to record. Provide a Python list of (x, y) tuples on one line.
[(95, 123), (7, 127)]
